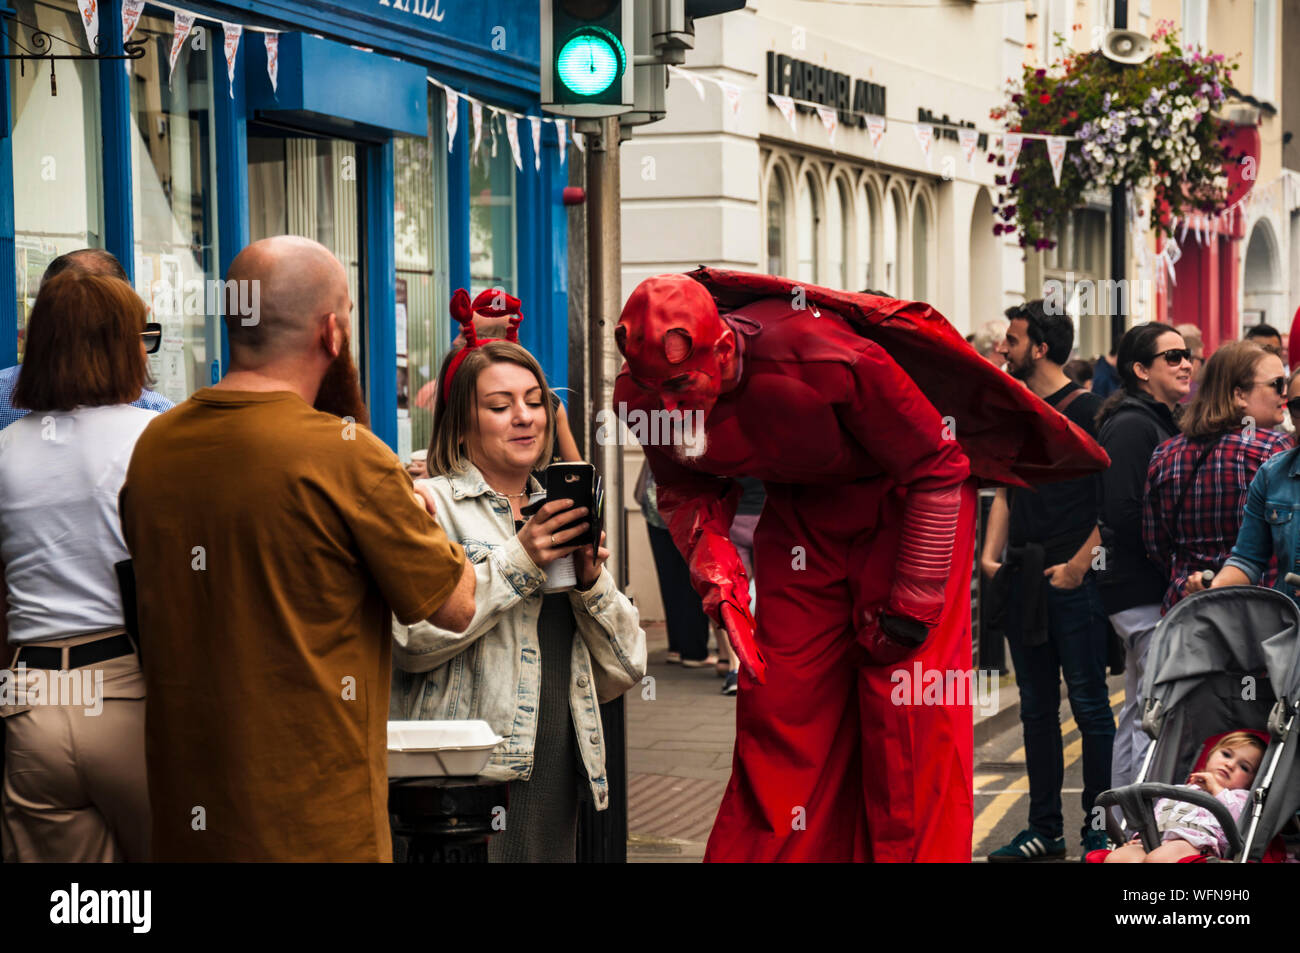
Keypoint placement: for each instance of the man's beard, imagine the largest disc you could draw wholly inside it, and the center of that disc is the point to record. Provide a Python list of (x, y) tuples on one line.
[(1021, 372), (690, 440), (340, 389)]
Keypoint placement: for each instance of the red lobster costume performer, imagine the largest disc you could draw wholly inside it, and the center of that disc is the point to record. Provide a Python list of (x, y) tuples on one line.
[(866, 418)]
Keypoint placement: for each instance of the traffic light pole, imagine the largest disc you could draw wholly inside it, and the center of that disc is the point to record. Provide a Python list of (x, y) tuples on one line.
[(603, 835)]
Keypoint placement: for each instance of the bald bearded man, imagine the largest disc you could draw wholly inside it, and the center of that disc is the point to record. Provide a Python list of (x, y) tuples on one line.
[(272, 542)]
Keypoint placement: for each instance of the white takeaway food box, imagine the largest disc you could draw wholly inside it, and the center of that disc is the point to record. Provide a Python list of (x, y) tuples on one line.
[(425, 749)]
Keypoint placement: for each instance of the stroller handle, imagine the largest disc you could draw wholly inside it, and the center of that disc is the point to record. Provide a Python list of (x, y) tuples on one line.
[(1137, 801)]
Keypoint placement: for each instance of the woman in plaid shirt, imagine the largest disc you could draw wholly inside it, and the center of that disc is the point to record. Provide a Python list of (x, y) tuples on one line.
[(1197, 482)]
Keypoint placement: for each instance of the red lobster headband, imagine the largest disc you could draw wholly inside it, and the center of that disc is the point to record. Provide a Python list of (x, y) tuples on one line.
[(494, 303)]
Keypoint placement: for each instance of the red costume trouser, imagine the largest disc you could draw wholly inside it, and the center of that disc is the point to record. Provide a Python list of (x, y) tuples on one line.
[(827, 766)]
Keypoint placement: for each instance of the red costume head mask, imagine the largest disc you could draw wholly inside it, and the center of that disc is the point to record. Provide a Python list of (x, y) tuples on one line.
[(675, 342)]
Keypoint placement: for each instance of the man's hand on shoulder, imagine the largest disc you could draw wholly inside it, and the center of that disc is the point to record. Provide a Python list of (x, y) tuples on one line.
[(424, 496)]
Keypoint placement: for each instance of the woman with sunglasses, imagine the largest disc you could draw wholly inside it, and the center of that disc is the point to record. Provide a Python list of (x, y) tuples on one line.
[(1269, 524), (1197, 482), (74, 779), (1155, 372)]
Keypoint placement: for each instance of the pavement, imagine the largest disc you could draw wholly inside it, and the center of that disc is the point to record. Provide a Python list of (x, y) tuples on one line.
[(681, 729)]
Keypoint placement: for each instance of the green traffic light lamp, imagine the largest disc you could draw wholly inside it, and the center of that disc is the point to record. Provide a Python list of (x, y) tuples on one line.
[(591, 60)]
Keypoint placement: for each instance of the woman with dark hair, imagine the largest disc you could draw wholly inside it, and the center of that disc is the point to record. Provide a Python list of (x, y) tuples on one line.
[(1197, 482), (538, 659), (75, 784), (1155, 371)]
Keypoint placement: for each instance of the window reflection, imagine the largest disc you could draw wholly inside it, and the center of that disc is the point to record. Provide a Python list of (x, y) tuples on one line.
[(492, 213)]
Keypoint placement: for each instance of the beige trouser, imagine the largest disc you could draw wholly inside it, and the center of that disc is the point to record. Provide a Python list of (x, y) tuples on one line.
[(75, 788)]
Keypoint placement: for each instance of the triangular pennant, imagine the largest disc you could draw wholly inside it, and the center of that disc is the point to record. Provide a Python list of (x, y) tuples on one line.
[(232, 32), (1182, 236), (90, 20), (830, 119), (272, 43), (1056, 156), (453, 116), (969, 140), (476, 117), (731, 93), (131, 10), (492, 128), (1012, 143), (512, 133), (579, 141), (536, 123), (925, 136), (690, 78), (1172, 252), (876, 130), (786, 105), (562, 137), (181, 27)]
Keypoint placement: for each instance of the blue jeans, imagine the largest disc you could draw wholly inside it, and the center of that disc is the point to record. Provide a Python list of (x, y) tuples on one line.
[(1076, 646)]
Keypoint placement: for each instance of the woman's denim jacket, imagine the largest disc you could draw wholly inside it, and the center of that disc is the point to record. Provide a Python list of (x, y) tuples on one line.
[(1271, 524), (492, 671)]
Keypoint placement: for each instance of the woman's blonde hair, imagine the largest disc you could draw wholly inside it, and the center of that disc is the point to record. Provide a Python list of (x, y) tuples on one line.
[(456, 418), (1212, 411)]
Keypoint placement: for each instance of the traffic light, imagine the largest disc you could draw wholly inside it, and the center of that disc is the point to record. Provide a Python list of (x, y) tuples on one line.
[(587, 57)]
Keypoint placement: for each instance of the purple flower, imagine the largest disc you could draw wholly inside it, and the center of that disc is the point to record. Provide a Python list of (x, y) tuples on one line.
[(1040, 73)]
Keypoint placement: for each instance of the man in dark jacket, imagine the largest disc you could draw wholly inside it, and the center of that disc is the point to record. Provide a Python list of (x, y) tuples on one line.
[(1155, 367), (1054, 622)]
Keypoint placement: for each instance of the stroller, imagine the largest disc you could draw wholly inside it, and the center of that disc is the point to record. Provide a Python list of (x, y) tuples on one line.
[(1221, 659)]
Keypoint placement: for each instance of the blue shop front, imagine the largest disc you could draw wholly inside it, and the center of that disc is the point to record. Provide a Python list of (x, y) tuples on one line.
[(326, 124)]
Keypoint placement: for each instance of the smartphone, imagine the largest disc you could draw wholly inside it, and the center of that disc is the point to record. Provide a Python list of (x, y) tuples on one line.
[(579, 482)]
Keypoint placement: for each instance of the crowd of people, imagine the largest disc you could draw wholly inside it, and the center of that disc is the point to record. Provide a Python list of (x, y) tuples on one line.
[(1198, 493), (238, 606)]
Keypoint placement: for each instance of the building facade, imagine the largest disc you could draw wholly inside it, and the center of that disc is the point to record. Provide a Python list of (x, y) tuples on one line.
[(176, 160)]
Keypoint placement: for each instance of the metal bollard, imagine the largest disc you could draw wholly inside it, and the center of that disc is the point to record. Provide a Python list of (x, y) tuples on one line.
[(443, 820)]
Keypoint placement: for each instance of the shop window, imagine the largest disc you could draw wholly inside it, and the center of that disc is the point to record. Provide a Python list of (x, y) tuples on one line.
[(173, 188), (776, 212), (1265, 41), (420, 238), (58, 180), (893, 252), (806, 222), (1194, 22), (921, 252), (492, 212), (868, 216), (837, 238)]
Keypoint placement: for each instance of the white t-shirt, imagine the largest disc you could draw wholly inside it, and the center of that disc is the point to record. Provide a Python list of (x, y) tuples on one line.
[(60, 474)]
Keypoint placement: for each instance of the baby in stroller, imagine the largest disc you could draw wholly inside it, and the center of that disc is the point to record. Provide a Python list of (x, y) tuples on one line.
[(1188, 829)]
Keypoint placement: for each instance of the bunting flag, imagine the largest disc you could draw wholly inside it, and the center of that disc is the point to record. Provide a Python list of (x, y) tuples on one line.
[(690, 78), (786, 105), (1172, 253), (476, 116), (536, 123), (925, 136), (876, 130), (731, 93), (562, 137), (272, 43), (968, 139), (181, 27), (453, 116), (579, 141), (90, 20), (131, 10), (512, 133), (232, 32), (1012, 142), (831, 120), (1056, 156)]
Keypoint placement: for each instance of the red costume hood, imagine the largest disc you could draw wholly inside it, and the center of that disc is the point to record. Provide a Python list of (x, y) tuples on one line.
[(1009, 435)]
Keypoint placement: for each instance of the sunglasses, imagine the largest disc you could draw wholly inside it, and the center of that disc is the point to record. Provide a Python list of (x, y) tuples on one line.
[(152, 337), (1278, 384), (1173, 357)]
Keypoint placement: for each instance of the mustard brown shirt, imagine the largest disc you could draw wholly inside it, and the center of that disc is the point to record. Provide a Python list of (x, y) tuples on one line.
[(270, 543)]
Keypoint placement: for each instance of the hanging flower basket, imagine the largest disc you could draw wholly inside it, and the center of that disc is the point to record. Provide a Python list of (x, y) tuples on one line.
[(1144, 126)]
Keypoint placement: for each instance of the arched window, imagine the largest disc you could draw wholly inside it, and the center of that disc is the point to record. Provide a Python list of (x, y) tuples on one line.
[(837, 236), (893, 253), (776, 224), (806, 219), (921, 252), (868, 216)]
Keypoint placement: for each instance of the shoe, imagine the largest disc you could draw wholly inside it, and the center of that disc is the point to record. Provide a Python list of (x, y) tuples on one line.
[(699, 662), (1094, 840), (673, 658), (732, 684), (1029, 845)]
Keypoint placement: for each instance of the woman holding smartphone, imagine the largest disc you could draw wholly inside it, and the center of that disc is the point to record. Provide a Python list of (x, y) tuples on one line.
[(535, 665)]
